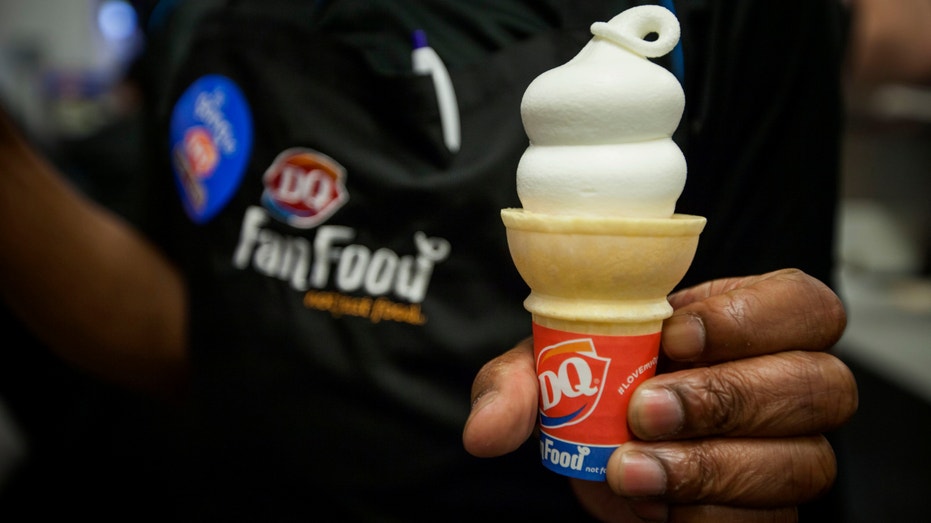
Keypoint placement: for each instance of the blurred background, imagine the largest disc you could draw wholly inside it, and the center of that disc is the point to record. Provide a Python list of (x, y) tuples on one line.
[(63, 69), (62, 61)]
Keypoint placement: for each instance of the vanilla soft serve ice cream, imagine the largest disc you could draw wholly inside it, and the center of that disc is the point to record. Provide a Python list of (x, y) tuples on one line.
[(598, 240), (600, 126)]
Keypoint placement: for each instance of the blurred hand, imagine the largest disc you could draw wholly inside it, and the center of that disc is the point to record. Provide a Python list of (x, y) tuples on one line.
[(731, 428)]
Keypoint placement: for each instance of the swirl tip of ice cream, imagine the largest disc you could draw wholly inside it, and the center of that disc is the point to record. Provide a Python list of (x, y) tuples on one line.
[(632, 28), (600, 126)]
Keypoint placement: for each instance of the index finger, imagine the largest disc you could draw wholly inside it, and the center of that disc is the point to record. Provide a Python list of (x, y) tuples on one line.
[(741, 317)]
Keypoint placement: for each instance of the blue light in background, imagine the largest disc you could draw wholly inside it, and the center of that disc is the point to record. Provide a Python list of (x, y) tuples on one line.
[(117, 20)]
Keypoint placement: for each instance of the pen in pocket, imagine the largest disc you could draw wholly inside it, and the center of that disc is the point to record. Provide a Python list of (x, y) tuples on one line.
[(425, 61)]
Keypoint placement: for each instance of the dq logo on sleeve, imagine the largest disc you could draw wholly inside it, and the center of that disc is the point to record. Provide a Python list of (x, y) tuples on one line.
[(211, 139), (572, 377)]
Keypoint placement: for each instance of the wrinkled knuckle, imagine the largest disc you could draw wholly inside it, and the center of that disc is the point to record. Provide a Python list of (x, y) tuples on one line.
[(723, 401), (700, 482), (738, 309), (740, 315), (707, 474)]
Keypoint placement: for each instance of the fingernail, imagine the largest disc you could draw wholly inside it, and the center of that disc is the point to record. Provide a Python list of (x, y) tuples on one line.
[(683, 337), (656, 412), (641, 475)]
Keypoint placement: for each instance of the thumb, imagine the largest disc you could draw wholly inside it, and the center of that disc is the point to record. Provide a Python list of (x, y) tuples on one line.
[(504, 404)]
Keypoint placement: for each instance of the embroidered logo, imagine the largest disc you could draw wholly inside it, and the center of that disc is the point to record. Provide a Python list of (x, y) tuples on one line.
[(304, 187), (211, 139)]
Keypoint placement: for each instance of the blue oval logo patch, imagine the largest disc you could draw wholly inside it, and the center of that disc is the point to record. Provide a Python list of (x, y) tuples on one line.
[(211, 139)]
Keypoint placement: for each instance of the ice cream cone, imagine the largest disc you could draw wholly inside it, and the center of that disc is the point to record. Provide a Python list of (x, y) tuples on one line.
[(597, 240)]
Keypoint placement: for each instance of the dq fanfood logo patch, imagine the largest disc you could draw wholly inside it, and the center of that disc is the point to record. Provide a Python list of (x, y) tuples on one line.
[(211, 139), (304, 187), (571, 377)]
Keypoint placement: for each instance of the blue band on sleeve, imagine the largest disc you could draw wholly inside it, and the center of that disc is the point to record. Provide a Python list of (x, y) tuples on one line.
[(677, 57)]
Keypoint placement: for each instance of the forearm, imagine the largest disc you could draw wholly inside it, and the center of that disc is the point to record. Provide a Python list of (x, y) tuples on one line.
[(84, 281)]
